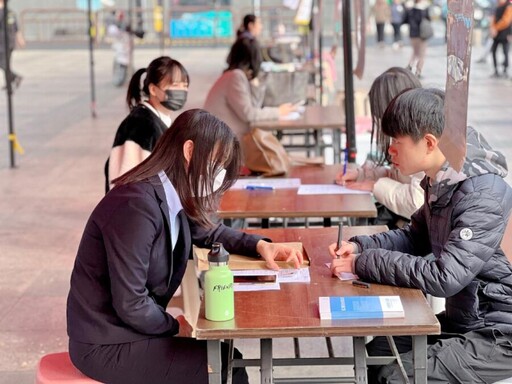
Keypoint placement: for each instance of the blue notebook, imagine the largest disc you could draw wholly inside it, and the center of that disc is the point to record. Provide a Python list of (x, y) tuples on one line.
[(360, 307)]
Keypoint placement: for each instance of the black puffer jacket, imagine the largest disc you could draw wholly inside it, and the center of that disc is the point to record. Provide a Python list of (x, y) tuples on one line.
[(462, 223)]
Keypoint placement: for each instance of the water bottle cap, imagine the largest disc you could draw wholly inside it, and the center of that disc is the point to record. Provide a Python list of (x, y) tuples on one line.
[(218, 254)]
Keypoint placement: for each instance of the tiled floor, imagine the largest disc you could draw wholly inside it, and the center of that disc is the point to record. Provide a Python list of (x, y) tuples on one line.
[(46, 200)]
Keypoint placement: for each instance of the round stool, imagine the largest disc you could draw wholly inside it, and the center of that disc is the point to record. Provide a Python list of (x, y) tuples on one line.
[(57, 368)]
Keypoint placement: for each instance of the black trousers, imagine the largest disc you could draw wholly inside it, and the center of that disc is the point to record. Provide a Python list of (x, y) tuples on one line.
[(380, 32), (482, 356), (397, 33), (14, 75), (152, 361), (494, 49)]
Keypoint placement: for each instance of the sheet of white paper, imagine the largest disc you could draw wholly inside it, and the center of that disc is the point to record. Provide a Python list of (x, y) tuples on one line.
[(300, 275), (277, 183), (246, 287), (328, 189), (291, 116), (344, 275)]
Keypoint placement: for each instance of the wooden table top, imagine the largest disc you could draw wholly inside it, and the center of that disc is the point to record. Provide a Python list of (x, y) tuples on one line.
[(293, 310), (242, 203), (315, 174), (314, 117)]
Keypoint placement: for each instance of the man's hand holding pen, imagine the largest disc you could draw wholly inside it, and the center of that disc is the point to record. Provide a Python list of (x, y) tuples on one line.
[(343, 257)]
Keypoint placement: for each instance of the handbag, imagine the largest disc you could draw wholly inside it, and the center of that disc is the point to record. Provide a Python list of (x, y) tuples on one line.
[(264, 154), (426, 30)]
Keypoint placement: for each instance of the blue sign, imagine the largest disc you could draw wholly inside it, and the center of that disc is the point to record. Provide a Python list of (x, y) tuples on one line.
[(203, 25), (95, 5)]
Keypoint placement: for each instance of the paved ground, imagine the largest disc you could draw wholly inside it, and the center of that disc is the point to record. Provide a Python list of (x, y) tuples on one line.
[(46, 200)]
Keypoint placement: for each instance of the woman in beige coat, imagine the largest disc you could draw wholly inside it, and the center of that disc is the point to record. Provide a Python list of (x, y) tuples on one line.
[(236, 97)]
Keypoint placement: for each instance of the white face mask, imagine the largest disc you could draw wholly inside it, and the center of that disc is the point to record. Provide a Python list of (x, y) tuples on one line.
[(217, 182)]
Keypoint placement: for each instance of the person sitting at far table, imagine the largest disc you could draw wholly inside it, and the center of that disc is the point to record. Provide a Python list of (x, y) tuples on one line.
[(133, 255), (236, 97), (462, 223), (398, 196)]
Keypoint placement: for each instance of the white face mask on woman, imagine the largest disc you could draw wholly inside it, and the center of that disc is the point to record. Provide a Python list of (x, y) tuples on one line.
[(217, 182)]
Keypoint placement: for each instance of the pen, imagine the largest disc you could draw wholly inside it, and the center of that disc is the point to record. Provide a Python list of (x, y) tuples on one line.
[(345, 162), (340, 235), (254, 187), (361, 284)]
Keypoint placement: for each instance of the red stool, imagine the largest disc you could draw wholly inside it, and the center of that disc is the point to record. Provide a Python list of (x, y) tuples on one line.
[(57, 368)]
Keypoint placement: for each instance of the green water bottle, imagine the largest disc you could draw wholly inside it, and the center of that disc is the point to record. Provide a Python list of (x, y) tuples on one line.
[(219, 295)]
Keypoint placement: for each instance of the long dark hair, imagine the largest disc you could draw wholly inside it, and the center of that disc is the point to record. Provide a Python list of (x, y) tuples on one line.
[(215, 147), (384, 88), (245, 54), (160, 69)]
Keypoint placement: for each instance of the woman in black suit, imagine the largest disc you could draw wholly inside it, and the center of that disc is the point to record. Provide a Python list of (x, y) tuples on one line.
[(134, 251)]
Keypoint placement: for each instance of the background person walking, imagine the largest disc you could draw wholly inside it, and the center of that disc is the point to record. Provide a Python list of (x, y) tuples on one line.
[(413, 17), (500, 32), (397, 19), (381, 12)]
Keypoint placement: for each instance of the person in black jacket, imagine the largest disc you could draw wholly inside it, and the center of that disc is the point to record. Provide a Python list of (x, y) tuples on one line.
[(133, 255), (14, 38), (153, 94), (461, 224)]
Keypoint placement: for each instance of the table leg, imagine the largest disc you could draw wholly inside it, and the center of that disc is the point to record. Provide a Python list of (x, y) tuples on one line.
[(360, 360), (214, 362), (419, 347), (266, 361)]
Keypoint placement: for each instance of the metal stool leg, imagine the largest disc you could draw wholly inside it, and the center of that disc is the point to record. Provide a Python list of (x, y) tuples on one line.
[(394, 349), (231, 346)]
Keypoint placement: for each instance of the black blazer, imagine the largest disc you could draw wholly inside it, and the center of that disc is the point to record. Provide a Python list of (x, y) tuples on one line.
[(125, 272)]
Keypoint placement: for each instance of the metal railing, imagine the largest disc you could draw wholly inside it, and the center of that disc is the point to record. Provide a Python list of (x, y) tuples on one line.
[(175, 25), (71, 25)]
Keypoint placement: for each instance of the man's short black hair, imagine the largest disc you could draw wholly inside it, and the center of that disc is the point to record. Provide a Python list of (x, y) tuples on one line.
[(414, 113)]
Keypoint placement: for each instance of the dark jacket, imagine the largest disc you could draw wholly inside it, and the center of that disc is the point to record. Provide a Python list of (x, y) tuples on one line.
[(413, 17), (125, 272), (462, 223), (12, 29)]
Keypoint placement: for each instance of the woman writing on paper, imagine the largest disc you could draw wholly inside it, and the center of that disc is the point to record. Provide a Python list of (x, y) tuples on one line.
[(398, 196), (234, 97), (133, 255)]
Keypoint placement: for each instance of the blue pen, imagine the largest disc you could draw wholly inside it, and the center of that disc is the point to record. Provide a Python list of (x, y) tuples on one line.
[(254, 187), (345, 162)]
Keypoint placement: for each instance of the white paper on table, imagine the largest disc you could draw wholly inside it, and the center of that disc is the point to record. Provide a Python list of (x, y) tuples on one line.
[(344, 275), (328, 189), (290, 116), (300, 275), (277, 183), (250, 287), (260, 286)]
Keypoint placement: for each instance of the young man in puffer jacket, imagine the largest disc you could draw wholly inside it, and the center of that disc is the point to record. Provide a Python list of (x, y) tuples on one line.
[(462, 223)]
